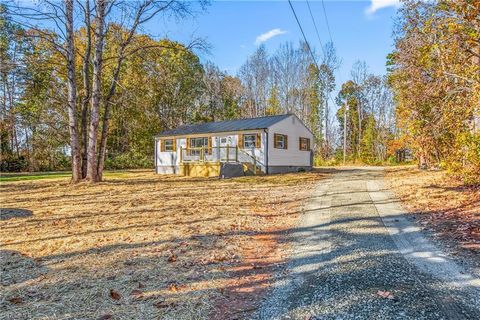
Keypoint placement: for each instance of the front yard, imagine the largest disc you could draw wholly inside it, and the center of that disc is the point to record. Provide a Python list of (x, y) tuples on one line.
[(144, 246), (450, 210)]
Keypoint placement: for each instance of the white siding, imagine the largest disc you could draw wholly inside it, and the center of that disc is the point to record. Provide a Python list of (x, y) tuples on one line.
[(293, 156), (169, 162)]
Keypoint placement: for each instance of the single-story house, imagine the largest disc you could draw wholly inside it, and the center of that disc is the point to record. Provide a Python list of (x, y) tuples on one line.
[(270, 144)]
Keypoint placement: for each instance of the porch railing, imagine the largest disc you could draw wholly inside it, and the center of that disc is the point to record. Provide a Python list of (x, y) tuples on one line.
[(219, 154), (205, 154)]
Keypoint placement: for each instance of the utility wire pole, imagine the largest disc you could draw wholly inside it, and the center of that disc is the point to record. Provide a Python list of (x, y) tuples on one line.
[(344, 133)]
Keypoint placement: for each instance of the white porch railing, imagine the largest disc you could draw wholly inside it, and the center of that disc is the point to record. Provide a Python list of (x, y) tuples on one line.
[(219, 154)]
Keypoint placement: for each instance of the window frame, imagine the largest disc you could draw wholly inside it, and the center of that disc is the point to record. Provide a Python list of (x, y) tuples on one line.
[(254, 141), (194, 150), (257, 142), (276, 137), (163, 145), (307, 145)]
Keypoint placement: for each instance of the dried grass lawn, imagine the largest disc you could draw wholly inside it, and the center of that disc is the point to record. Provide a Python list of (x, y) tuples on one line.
[(143, 246), (443, 205)]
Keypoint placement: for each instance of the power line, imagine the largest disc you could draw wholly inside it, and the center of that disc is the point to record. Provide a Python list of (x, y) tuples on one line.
[(303, 34), (318, 34), (326, 20), (306, 41), (315, 25)]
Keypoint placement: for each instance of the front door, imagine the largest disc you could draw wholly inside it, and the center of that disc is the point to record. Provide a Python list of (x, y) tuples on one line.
[(226, 150)]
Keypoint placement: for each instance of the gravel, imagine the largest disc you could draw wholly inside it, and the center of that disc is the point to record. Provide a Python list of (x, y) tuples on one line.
[(346, 264)]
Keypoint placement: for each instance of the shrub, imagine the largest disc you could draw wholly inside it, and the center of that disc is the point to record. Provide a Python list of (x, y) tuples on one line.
[(11, 163), (129, 160)]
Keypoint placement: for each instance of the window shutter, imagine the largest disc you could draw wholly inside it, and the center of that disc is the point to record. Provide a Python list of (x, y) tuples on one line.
[(209, 151), (174, 144), (300, 143), (162, 145), (286, 141), (258, 143), (240, 141), (188, 143)]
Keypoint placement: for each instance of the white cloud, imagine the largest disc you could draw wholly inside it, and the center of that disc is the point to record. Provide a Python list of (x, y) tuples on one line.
[(268, 35), (376, 5)]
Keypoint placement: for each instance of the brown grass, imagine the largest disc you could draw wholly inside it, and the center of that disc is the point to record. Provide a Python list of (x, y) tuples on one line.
[(444, 205), (142, 245)]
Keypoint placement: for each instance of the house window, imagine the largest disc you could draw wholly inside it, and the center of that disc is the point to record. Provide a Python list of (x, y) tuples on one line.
[(280, 141), (304, 144), (197, 143), (168, 145), (250, 141)]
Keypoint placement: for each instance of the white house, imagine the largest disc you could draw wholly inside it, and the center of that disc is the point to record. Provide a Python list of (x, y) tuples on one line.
[(271, 144)]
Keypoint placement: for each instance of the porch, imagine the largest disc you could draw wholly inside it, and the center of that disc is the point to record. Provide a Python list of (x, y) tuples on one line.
[(209, 161)]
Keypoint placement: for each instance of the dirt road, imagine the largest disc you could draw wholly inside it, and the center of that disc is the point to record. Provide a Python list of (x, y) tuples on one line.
[(358, 255)]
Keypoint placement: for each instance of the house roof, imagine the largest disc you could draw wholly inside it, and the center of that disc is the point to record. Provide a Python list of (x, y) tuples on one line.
[(225, 126)]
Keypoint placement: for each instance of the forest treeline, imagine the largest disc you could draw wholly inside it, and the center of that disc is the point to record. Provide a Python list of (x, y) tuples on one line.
[(162, 84), (434, 72), (112, 89)]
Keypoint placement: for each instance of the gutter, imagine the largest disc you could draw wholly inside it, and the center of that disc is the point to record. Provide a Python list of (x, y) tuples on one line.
[(266, 150), (156, 151)]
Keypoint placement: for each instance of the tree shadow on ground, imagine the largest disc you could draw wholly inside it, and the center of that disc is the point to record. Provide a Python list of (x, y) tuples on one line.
[(14, 213), (355, 287), (350, 270)]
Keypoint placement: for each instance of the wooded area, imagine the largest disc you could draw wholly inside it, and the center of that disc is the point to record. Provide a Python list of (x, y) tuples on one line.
[(435, 75), (85, 92)]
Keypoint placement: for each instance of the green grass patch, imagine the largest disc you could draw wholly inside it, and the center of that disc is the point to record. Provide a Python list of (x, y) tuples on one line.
[(25, 176)]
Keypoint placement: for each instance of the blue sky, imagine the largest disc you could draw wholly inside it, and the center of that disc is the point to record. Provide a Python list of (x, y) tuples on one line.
[(361, 30)]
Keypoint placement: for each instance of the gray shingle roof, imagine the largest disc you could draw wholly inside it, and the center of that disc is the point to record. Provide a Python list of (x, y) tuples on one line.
[(225, 126)]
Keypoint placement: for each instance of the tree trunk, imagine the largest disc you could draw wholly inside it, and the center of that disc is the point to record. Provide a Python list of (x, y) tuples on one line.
[(111, 92), (72, 93), (345, 134), (86, 85), (327, 135), (96, 91)]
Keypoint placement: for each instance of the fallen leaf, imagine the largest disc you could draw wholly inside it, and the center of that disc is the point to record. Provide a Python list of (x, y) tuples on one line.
[(136, 293), (115, 295), (172, 258), (163, 304), (15, 300), (385, 294), (106, 317), (173, 287)]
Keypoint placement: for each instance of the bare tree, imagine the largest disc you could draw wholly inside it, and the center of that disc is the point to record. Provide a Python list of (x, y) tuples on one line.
[(140, 13), (99, 36), (359, 74), (72, 92), (86, 85), (329, 64)]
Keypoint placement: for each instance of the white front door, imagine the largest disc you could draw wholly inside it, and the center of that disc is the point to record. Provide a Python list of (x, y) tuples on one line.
[(227, 150)]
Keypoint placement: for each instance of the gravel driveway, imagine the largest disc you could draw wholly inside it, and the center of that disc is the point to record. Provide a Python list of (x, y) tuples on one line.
[(356, 255)]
